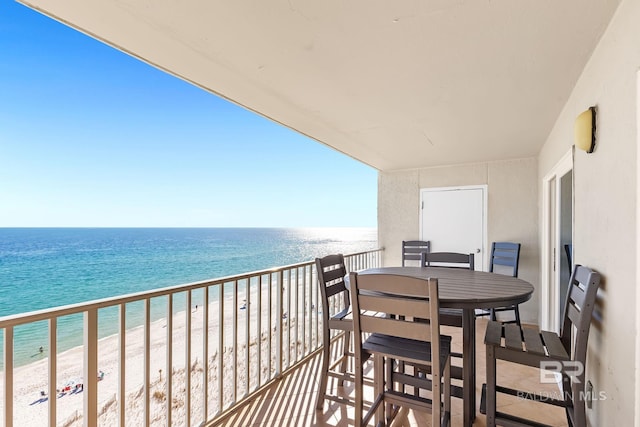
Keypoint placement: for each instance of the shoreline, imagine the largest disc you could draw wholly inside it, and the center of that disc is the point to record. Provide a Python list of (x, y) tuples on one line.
[(31, 407), (70, 333)]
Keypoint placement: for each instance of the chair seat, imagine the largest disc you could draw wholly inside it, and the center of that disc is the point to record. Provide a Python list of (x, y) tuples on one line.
[(342, 321), (343, 315), (408, 350), (525, 346), (451, 317), (528, 347)]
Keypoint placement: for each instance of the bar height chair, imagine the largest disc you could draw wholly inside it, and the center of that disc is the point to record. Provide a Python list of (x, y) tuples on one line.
[(451, 316), (448, 316), (505, 257), (331, 271), (385, 316), (564, 354)]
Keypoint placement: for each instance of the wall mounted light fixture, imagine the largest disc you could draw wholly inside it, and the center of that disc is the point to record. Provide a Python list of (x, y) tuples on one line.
[(584, 130)]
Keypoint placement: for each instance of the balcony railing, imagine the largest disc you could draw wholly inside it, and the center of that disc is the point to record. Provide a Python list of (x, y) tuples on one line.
[(213, 345)]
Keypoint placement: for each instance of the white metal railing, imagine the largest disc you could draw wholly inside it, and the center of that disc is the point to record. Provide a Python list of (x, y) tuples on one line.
[(245, 331)]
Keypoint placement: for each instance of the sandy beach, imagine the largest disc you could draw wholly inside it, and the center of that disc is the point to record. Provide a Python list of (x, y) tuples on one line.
[(31, 408)]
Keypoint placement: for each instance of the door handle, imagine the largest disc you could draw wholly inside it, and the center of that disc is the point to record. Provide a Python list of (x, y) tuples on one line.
[(478, 250)]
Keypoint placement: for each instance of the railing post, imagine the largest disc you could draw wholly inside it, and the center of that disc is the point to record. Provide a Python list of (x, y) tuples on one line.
[(247, 333), (187, 357), (90, 380), (8, 376), (279, 290), (147, 361), (314, 281), (289, 316), (259, 333), (53, 358), (122, 358), (221, 328), (297, 317), (270, 322), (169, 359), (303, 308), (235, 341), (205, 352)]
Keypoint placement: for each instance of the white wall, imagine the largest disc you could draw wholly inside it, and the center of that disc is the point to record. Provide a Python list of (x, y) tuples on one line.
[(512, 210), (605, 235)]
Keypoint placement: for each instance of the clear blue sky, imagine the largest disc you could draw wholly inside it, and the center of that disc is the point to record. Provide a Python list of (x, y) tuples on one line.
[(92, 137)]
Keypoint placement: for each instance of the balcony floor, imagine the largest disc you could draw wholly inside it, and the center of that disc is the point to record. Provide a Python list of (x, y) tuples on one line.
[(291, 401)]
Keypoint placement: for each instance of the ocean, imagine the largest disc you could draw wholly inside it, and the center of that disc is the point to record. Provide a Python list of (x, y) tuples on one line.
[(49, 267)]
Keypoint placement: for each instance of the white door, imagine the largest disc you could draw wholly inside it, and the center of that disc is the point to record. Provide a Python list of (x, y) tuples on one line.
[(454, 220)]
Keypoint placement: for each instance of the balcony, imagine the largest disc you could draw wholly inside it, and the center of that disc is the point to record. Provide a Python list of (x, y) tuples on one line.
[(268, 341)]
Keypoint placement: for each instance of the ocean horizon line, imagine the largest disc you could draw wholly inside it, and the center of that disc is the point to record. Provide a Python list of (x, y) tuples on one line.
[(125, 227)]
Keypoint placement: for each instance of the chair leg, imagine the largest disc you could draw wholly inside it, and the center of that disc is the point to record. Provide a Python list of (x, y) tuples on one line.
[(382, 377), (491, 387), (346, 346), (447, 390), (575, 402), (326, 358), (493, 314), (358, 392), (436, 389)]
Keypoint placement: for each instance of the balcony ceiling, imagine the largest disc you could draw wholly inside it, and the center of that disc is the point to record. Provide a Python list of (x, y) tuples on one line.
[(394, 84)]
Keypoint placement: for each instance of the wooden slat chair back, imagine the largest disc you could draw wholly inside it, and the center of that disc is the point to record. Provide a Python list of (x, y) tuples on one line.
[(411, 249), (331, 271), (384, 328), (447, 259), (449, 316), (533, 347), (505, 258), (506, 254), (578, 310)]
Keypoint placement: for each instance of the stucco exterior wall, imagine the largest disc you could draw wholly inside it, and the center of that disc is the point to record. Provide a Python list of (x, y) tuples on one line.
[(512, 210), (605, 198)]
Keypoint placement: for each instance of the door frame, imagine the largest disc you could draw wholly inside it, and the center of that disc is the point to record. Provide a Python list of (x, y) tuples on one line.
[(550, 298), (637, 346), (484, 266)]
